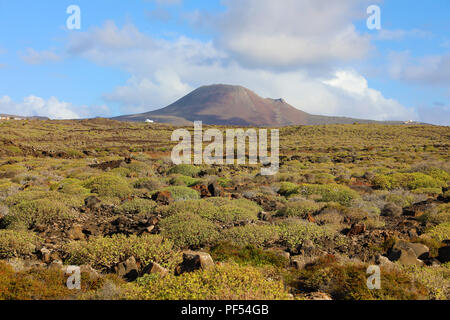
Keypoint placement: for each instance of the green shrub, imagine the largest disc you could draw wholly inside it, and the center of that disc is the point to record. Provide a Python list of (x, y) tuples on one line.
[(248, 255), (257, 235), (17, 243), (411, 181), (288, 188), (186, 181), (226, 282), (148, 183), (189, 230), (428, 191), (217, 209), (108, 185), (182, 193), (137, 206), (185, 170), (44, 211), (440, 232), (11, 170), (349, 282), (299, 209), (294, 232), (438, 215), (330, 193), (72, 186), (103, 253)]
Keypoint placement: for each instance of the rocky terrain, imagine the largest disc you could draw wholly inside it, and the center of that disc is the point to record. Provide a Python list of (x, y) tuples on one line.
[(104, 195)]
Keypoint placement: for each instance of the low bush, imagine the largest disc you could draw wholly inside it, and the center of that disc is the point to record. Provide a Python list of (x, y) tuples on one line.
[(288, 188), (216, 209), (248, 255), (188, 230), (440, 232), (299, 209), (349, 282), (11, 170), (72, 186), (108, 185), (330, 193), (226, 282), (411, 181), (257, 235), (185, 170), (186, 181), (103, 253), (137, 206), (17, 243), (182, 193), (294, 232), (437, 215), (43, 211)]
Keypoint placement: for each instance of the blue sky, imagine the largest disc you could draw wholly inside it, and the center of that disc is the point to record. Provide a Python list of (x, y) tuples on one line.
[(140, 55)]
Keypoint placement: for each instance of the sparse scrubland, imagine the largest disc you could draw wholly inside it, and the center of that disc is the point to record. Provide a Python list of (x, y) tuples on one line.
[(105, 196)]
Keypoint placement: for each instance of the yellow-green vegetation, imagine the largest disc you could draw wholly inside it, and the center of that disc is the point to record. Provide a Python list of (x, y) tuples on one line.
[(217, 209), (247, 255), (225, 282), (440, 232), (109, 185), (257, 235), (347, 281), (299, 209), (137, 206), (188, 230), (105, 252), (93, 180), (31, 213)]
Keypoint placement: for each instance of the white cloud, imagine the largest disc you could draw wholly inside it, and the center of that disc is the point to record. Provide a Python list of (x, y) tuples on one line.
[(432, 70), (292, 34), (52, 108), (38, 57)]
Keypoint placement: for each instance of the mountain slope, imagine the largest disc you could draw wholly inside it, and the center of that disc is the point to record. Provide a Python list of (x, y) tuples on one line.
[(234, 105)]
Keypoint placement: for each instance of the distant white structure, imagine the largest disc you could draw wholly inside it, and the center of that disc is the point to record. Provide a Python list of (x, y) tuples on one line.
[(149, 121)]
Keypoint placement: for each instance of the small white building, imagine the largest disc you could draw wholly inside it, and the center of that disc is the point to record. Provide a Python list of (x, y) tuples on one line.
[(149, 121)]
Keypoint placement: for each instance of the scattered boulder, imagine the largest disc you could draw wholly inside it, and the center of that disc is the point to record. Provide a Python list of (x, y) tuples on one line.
[(408, 253), (356, 229), (44, 255), (127, 269), (92, 202), (75, 232), (264, 216), (444, 254), (155, 268), (301, 261), (163, 197), (23, 265), (193, 261), (216, 190), (317, 296), (392, 210), (91, 272)]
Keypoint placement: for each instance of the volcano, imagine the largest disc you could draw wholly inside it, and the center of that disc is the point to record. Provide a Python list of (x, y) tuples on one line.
[(234, 105)]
